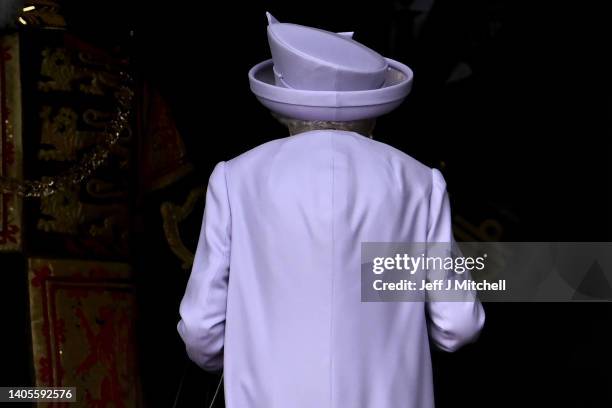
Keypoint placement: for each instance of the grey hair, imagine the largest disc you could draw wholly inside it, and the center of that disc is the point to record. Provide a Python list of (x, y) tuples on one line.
[(363, 127)]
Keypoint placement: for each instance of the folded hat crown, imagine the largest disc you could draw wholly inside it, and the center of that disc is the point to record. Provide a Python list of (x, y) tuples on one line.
[(308, 58)]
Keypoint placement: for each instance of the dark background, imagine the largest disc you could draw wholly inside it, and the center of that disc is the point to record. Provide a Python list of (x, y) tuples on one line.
[(523, 138)]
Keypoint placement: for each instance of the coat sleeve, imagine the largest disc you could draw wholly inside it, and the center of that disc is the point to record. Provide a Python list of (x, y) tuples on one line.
[(202, 309), (454, 323)]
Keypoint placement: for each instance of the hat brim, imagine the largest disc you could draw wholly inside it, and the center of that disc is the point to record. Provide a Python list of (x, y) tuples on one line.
[(331, 105)]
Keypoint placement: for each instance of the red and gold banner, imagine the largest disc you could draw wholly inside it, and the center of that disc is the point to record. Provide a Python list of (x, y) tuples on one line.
[(82, 315), (10, 142)]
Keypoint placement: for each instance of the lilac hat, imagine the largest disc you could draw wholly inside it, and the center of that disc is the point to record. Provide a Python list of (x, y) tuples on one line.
[(320, 75)]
